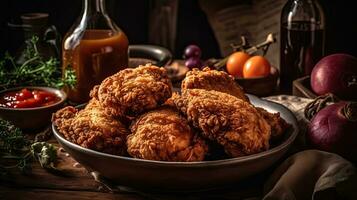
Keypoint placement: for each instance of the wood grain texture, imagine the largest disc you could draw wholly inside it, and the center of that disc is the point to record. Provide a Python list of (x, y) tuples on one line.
[(77, 184), (73, 178), (8, 193)]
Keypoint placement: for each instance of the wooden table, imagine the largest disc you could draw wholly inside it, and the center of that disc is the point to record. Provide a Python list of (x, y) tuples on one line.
[(77, 183), (41, 184)]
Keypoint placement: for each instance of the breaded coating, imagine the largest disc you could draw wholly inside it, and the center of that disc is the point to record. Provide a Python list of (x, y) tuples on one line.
[(278, 125), (222, 82), (92, 128), (213, 80), (164, 135), (131, 92), (232, 122)]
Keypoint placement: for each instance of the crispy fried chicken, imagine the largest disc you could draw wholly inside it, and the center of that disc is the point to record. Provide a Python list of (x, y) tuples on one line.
[(213, 80), (130, 92), (92, 128), (233, 123), (163, 134), (222, 82), (278, 125)]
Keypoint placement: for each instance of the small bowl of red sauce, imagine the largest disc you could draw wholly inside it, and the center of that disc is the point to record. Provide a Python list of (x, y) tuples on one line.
[(30, 107)]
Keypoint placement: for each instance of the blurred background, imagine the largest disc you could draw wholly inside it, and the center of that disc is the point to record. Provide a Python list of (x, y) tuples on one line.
[(178, 23)]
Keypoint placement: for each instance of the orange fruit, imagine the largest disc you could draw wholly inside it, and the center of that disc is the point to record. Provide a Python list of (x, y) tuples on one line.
[(236, 62), (256, 66)]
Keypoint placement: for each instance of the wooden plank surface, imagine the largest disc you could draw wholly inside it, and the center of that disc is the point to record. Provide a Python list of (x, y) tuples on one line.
[(74, 176), (8, 193), (77, 184)]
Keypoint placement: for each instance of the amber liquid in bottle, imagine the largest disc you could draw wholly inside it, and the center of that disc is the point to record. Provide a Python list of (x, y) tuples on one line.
[(99, 54)]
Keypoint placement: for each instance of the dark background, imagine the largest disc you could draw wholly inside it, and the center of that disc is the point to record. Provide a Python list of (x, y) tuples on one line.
[(192, 27)]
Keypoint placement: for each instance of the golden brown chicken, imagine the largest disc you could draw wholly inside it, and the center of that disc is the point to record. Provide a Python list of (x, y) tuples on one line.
[(220, 81), (213, 80), (92, 128), (232, 122), (130, 92), (278, 125), (163, 134)]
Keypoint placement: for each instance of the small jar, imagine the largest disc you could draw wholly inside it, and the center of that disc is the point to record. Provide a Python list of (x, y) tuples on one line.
[(94, 48), (36, 25)]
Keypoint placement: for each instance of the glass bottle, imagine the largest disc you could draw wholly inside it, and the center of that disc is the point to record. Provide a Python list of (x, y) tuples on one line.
[(302, 38), (95, 48)]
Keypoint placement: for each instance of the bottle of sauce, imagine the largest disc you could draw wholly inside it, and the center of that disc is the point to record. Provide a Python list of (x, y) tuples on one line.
[(94, 48), (302, 38)]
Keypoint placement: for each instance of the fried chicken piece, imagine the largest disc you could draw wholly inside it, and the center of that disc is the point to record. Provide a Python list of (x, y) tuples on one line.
[(213, 80), (222, 82), (92, 128), (130, 92), (278, 125), (163, 134), (232, 122)]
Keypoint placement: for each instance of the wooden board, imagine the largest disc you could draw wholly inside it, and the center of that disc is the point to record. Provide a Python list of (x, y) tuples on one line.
[(9, 193), (77, 184)]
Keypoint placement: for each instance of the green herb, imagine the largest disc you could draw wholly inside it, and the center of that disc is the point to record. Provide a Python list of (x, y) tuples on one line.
[(11, 137), (16, 151), (35, 71), (45, 153)]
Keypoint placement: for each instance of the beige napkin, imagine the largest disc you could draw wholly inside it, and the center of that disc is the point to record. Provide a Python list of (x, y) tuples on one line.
[(312, 174)]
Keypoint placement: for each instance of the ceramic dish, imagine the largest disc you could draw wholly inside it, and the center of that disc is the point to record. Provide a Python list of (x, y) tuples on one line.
[(183, 176), (32, 118)]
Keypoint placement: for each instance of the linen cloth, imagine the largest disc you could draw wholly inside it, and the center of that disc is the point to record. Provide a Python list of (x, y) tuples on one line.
[(309, 174)]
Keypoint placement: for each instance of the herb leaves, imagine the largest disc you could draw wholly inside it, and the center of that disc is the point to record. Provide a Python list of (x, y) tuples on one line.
[(16, 151), (35, 71)]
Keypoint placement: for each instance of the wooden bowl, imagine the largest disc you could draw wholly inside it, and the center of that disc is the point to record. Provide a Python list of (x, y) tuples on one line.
[(262, 86), (302, 88)]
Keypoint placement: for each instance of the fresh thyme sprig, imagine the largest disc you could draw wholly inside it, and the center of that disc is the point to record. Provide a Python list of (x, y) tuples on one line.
[(16, 151), (35, 71)]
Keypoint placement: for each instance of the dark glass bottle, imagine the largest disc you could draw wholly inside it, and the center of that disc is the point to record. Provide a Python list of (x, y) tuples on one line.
[(95, 47), (302, 38)]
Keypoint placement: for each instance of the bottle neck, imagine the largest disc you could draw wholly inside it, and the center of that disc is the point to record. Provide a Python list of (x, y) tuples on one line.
[(303, 13), (94, 6)]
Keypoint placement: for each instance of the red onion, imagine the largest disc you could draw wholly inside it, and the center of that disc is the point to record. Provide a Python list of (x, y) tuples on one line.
[(337, 74), (334, 129)]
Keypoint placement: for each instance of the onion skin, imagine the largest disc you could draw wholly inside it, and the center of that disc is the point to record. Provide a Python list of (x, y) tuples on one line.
[(334, 74), (331, 131)]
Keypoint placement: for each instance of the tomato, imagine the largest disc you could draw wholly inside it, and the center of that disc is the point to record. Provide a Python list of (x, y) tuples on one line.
[(256, 66), (27, 103), (236, 62), (28, 99), (23, 94)]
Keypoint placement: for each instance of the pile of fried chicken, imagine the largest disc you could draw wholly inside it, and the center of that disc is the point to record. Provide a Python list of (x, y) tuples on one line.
[(134, 113)]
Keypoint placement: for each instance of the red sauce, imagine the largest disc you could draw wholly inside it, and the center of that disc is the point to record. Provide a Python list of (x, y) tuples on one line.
[(26, 98)]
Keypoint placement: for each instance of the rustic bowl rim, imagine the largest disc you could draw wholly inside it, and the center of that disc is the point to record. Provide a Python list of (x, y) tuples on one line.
[(287, 142), (58, 92)]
